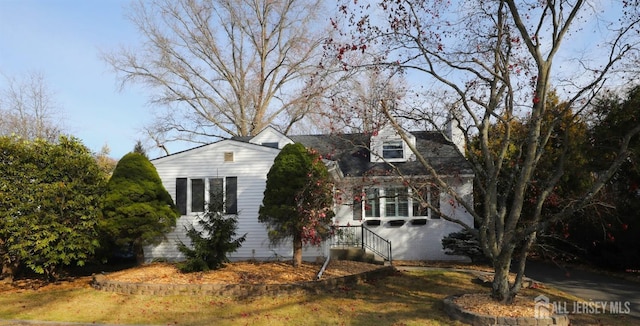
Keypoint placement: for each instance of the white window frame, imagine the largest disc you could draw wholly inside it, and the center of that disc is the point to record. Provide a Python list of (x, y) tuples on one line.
[(382, 203), (398, 197), (393, 146)]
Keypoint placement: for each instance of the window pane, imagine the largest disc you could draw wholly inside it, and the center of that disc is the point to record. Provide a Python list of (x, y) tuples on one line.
[(215, 194), (403, 208), (434, 200), (181, 195), (372, 206), (231, 203), (396, 202), (392, 149), (403, 202), (420, 199), (197, 195), (390, 209), (357, 204)]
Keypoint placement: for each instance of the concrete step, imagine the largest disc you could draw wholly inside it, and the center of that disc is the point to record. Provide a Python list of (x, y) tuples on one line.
[(355, 254)]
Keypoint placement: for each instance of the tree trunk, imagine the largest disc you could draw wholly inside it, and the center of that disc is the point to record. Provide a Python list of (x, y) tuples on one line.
[(9, 264), (297, 251), (9, 270), (500, 290), (139, 252)]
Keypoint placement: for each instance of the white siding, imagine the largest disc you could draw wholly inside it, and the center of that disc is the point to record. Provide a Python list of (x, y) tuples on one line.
[(419, 242), (251, 165), (271, 135), (388, 133)]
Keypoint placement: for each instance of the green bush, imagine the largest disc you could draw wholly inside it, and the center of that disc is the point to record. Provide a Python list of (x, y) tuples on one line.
[(464, 243), (49, 197), (210, 246), (137, 208)]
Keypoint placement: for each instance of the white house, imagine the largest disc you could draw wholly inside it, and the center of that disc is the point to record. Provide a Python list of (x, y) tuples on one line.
[(379, 185)]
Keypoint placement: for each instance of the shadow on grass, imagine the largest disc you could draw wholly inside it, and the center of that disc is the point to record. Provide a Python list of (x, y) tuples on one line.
[(404, 298), (413, 298)]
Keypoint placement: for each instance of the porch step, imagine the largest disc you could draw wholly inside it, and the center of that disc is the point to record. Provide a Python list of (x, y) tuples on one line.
[(355, 254)]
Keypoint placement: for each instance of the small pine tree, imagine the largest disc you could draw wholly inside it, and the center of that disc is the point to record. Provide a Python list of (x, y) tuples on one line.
[(138, 148), (210, 246)]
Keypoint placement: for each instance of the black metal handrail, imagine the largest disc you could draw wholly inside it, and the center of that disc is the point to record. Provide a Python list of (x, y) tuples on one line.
[(361, 236)]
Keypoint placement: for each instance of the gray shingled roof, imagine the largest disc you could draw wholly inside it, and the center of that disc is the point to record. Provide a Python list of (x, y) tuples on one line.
[(352, 154)]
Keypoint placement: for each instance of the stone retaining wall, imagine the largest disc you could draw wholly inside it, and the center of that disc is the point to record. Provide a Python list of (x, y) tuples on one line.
[(100, 282), (458, 313)]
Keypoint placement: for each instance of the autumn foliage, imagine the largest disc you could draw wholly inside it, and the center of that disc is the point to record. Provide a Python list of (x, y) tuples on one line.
[(298, 199)]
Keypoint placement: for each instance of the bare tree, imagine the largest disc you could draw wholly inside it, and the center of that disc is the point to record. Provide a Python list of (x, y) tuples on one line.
[(221, 68), (28, 108), (355, 99), (486, 63)]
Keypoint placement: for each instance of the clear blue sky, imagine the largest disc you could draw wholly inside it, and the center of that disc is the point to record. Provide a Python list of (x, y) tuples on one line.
[(63, 39)]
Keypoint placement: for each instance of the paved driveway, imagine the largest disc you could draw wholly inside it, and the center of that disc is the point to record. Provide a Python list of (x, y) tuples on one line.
[(589, 286)]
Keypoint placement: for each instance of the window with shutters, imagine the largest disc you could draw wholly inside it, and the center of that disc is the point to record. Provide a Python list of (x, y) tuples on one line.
[(193, 195)]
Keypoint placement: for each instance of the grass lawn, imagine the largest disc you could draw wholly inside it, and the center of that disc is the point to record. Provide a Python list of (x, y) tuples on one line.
[(407, 298)]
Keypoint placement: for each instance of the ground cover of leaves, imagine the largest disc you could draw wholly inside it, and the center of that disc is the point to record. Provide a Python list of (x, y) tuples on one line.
[(481, 303), (279, 272)]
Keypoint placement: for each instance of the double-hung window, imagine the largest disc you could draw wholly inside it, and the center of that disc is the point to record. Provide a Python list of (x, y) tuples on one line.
[(398, 202), (372, 203), (426, 202), (195, 194)]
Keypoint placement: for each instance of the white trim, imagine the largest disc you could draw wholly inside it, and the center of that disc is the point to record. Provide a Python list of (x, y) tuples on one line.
[(212, 146)]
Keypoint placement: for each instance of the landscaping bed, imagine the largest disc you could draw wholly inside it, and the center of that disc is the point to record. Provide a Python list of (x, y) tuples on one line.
[(281, 272)]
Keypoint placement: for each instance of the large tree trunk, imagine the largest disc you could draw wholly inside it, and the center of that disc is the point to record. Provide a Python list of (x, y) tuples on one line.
[(500, 289), (500, 286), (138, 250), (297, 250)]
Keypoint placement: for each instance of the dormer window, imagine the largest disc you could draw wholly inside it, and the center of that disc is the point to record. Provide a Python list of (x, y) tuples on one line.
[(392, 149), (388, 145)]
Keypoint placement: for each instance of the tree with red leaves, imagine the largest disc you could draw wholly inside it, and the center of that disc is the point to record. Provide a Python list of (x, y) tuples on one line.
[(298, 199), (487, 63)]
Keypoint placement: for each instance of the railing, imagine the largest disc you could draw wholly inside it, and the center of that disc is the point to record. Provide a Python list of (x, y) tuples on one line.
[(361, 236)]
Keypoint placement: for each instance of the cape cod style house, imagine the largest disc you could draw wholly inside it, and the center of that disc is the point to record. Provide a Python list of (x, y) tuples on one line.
[(380, 194)]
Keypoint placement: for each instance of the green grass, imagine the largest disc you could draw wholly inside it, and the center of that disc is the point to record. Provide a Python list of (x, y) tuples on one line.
[(408, 298)]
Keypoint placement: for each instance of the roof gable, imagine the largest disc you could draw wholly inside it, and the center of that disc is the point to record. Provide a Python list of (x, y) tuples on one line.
[(387, 145), (219, 145), (270, 137)]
